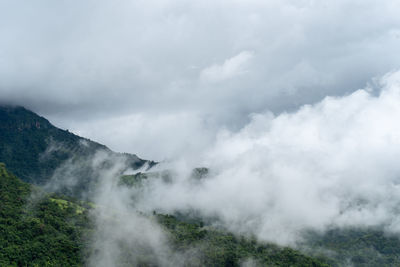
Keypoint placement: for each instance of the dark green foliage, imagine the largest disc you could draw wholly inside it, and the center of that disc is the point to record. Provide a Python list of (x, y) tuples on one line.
[(42, 235), (33, 148), (54, 232), (212, 247), (136, 180), (358, 246), (133, 180)]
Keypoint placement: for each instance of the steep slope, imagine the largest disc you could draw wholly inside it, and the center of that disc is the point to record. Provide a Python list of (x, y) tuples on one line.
[(33, 148), (39, 235), (55, 231)]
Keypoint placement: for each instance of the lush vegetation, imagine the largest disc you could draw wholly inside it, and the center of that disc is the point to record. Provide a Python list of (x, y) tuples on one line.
[(43, 234), (54, 231), (138, 178), (337, 247), (44, 229), (218, 248), (33, 148), (357, 247)]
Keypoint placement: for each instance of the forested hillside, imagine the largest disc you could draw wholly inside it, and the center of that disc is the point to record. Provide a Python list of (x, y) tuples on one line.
[(56, 231), (357, 246), (33, 148), (42, 228), (38, 232)]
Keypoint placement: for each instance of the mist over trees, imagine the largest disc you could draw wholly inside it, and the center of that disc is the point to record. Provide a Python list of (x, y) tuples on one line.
[(199, 133)]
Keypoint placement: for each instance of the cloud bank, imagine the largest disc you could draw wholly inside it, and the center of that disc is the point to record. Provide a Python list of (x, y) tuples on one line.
[(327, 165), (216, 62), (331, 164), (238, 86)]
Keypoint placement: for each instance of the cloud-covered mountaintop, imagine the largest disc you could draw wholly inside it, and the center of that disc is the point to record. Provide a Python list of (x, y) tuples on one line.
[(192, 67)]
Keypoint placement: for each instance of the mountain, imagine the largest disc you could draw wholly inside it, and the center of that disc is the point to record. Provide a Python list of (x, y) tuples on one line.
[(33, 148), (56, 231)]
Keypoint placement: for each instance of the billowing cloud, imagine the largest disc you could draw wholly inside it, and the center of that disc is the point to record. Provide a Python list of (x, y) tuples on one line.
[(334, 163), (327, 165), (264, 93), (81, 62)]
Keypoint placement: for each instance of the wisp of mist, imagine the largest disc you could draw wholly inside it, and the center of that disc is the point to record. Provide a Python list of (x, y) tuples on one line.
[(330, 164)]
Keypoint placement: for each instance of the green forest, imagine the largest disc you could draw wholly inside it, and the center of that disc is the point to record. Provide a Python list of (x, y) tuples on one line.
[(43, 228), (55, 231)]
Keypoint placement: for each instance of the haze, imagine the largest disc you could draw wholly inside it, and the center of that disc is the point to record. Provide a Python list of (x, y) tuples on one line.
[(163, 78)]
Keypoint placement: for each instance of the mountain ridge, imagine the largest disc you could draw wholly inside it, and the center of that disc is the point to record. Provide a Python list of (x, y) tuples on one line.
[(26, 138)]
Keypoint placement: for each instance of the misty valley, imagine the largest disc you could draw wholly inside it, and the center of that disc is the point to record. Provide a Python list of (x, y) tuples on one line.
[(174, 133), (69, 201)]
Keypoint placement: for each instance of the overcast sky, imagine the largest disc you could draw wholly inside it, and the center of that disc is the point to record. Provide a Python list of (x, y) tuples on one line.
[(162, 78)]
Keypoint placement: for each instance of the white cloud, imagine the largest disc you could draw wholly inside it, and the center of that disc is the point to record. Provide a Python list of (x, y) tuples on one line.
[(118, 72), (330, 164), (230, 68), (175, 134), (79, 63), (334, 163), (123, 68)]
